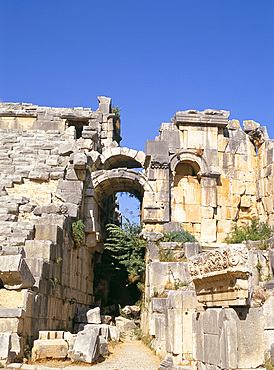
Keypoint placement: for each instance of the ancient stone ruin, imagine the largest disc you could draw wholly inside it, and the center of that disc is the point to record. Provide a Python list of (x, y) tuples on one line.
[(60, 170)]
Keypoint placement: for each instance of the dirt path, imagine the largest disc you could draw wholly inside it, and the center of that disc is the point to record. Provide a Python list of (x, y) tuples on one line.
[(130, 355)]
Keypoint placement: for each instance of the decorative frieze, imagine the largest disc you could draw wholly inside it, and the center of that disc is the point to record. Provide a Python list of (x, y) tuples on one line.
[(221, 276)]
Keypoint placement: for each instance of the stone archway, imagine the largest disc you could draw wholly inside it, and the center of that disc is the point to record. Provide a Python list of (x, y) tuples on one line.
[(109, 182), (118, 157), (115, 286)]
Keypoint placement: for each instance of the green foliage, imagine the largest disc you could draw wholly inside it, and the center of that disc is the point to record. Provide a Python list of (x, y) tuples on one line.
[(116, 111), (54, 281), (27, 352), (268, 365), (1, 365), (255, 231), (259, 267), (138, 332), (179, 237), (78, 233), (166, 255), (126, 247)]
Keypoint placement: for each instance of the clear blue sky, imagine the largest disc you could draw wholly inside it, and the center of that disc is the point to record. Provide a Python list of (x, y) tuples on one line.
[(152, 57)]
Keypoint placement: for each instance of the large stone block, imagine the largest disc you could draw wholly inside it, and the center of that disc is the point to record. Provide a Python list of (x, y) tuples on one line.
[(156, 148), (5, 345), (86, 347), (48, 232), (70, 191), (39, 249), (125, 325), (191, 249), (93, 316), (49, 348), (159, 305), (80, 161), (14, 272), (228, 321), (250, 346)]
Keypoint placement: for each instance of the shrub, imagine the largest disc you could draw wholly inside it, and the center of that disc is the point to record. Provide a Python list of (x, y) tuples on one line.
[(166, 255), (255, 231), (116, 111), (179, 237), (78, 233)]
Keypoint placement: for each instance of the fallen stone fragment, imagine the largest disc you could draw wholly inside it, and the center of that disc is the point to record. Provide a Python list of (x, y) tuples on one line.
[(86, 347), (124, 324), (93, 316)]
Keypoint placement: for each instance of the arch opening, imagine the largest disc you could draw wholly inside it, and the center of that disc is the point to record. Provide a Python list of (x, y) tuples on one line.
[(113, 284), (185, 169)]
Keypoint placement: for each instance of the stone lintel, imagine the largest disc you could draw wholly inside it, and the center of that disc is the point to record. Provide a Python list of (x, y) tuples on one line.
[(208, 117)]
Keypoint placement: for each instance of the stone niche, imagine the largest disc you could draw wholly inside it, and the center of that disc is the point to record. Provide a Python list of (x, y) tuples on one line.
[(221, 276)]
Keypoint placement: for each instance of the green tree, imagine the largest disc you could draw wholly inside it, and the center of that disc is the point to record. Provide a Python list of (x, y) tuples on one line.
[(126, 247)]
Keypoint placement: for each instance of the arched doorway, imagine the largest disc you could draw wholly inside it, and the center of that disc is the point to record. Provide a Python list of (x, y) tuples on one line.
[(112, 284), (186, 199)]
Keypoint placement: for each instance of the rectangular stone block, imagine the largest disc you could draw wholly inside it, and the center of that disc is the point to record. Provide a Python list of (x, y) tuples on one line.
[(50, 348), (15, 273), (86, 347), (51, 233), (250, 346), (159, 305), (39, 248), (5, 345)]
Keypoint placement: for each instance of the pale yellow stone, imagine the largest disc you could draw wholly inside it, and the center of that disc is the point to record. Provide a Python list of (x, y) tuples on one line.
[(208, 230), (37, 191), (19, 123), (245, 201), (12, 298), (193, 213)]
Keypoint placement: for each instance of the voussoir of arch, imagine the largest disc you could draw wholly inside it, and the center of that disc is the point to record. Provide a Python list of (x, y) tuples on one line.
[(109, 182), (189, 156), (122, 157)]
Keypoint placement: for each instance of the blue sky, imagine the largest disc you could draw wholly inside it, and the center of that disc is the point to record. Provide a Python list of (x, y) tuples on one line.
[(151, 57)]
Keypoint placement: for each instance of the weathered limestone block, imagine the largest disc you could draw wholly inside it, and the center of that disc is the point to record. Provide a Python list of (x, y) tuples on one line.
[(103, 345), (174, 319), (151, 236), (39, 249), (250, 346), (208, 230), (160, 273), (49, 232), (250, 125), (5, 345), (191, 249), (125, 325), (69, 191), (228, 321), (66, 149), (234, 124), (221, 276), (93, 316), (86, 347), (114, 333), (14, 272), (80, 161), (49, 348)]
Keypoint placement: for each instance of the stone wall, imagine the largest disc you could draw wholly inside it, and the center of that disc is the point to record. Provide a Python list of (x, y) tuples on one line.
[(206, 170), (62, 165), (204, 325)]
